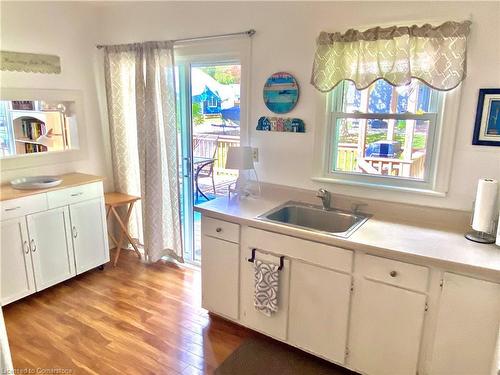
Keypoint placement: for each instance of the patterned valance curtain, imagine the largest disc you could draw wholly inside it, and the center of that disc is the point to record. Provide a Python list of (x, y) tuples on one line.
[(434, 55)]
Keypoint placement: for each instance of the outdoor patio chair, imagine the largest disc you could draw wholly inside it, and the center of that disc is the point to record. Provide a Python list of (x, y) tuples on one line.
[(206, 147)]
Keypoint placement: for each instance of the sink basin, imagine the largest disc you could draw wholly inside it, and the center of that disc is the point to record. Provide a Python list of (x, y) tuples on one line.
[(35, 182), (310, 217)]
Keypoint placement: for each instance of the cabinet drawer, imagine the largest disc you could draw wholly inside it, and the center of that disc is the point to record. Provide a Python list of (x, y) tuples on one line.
[(220, 229), (394, 272), (312, 252), (75, 194), (23, 206)]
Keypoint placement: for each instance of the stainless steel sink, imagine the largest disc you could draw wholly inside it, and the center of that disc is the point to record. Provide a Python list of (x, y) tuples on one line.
[(315, 218)]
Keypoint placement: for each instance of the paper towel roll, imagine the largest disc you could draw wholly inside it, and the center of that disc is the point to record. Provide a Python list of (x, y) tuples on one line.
[(486, 205)]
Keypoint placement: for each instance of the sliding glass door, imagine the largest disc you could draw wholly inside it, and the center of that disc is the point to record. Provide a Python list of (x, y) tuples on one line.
[(209, 113)]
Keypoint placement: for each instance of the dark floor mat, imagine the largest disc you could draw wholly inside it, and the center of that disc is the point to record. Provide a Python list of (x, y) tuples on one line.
[(258, 356)]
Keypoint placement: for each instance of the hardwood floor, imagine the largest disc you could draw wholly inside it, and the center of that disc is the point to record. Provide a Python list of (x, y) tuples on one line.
[(132, 319)]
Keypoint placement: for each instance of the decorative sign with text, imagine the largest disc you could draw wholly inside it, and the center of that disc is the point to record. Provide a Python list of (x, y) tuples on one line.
[(30, 62)]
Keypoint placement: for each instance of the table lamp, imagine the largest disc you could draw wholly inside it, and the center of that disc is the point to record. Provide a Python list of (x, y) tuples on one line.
[(241, 158)]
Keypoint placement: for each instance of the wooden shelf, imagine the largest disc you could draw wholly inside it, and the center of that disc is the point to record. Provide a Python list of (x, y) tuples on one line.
[(29, 141), (28, 112)]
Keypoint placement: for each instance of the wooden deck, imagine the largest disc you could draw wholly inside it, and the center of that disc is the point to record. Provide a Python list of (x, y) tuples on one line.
[(132, 319)]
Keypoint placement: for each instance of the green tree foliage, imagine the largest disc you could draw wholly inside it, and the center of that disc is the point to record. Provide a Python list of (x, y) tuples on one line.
[(225, 74), (198, 118)]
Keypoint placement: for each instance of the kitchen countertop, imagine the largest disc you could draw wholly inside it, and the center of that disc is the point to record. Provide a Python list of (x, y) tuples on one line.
[(7, 192), (425, 243)]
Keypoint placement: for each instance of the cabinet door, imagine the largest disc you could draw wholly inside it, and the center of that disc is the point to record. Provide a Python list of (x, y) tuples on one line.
[(467, 327), (51, 250), (219, 276), (89, 234), (276, 324), (15, 261), (319, 308), (385, 329)]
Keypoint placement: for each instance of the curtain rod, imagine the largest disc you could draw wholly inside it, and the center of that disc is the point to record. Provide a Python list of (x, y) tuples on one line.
[(249, 33)]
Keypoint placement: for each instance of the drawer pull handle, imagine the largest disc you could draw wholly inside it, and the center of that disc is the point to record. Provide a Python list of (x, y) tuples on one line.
[(26, 247), (393, 273), (33, 245), (12, 208), (218, 230), (75, 232), (76, 194)]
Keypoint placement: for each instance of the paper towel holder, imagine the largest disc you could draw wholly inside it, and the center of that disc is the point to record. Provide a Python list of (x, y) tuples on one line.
[(482, 237)]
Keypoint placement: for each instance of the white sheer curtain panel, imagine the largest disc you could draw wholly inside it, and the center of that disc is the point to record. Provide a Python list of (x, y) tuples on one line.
[(140, 89)]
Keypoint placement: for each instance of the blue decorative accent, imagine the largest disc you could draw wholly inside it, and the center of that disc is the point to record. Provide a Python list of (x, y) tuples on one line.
[(281, 92), (281, 124)]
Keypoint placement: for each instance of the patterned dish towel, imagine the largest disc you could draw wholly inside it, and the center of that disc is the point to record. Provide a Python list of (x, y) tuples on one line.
[(266, 287)]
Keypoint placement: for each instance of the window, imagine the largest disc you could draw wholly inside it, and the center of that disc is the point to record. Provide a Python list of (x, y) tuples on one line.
[(383, 134)]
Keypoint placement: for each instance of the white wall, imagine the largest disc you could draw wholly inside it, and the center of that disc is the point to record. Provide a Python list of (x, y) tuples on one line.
[(285, 40), (68, 30)]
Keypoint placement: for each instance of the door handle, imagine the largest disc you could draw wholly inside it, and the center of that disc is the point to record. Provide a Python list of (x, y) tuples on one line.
[(26, 247), (75, 232), (187, 166), (33, 245), (76, 194)]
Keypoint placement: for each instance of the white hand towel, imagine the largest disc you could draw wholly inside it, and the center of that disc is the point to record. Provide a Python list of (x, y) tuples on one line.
[(266, 287)]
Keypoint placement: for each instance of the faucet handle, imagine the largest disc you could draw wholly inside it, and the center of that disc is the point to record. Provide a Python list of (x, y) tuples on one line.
[(322, 192), (356, 207)]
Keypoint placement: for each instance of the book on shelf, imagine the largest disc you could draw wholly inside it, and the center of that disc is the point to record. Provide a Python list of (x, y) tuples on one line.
[(30, 148), (32, 129)]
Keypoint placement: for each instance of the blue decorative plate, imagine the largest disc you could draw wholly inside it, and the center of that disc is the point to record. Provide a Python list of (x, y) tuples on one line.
[(281, 92)]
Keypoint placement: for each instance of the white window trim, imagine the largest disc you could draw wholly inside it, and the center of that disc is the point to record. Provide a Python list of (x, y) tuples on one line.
[(443, 144)]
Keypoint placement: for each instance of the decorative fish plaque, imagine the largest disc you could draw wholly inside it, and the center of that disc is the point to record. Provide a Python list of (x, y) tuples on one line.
[(281, 124)]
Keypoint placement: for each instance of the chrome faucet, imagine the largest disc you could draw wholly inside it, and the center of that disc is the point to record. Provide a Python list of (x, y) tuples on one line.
[(325, 197)]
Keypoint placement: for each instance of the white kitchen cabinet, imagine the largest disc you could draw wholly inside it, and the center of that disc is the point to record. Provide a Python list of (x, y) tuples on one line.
[(50, 244), (319, 310), (467, 327), (276, 324), (17, 279), (88, 230), (385, 329), (50, 237), (379, 327), (219, 273)]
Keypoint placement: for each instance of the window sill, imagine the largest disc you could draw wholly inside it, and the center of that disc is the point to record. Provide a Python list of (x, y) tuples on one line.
[(429, 192)]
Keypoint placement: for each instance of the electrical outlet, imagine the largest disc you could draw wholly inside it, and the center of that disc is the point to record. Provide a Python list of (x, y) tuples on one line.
[(255, 153)]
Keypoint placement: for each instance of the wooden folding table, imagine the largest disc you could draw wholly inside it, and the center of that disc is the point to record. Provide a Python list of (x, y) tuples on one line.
[(114, 200)]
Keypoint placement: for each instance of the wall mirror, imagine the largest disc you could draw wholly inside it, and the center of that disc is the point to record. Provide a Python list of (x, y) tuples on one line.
[(40, 126)]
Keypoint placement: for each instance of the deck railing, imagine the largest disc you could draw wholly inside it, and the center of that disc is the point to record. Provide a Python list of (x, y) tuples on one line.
[(347, 157), (347, 160), (204, 146)]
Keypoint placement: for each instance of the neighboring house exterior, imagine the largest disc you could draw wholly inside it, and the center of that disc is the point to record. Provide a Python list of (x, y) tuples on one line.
[(213, 96)]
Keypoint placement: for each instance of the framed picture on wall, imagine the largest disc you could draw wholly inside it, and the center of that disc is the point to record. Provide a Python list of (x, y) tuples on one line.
[(487, 127)]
